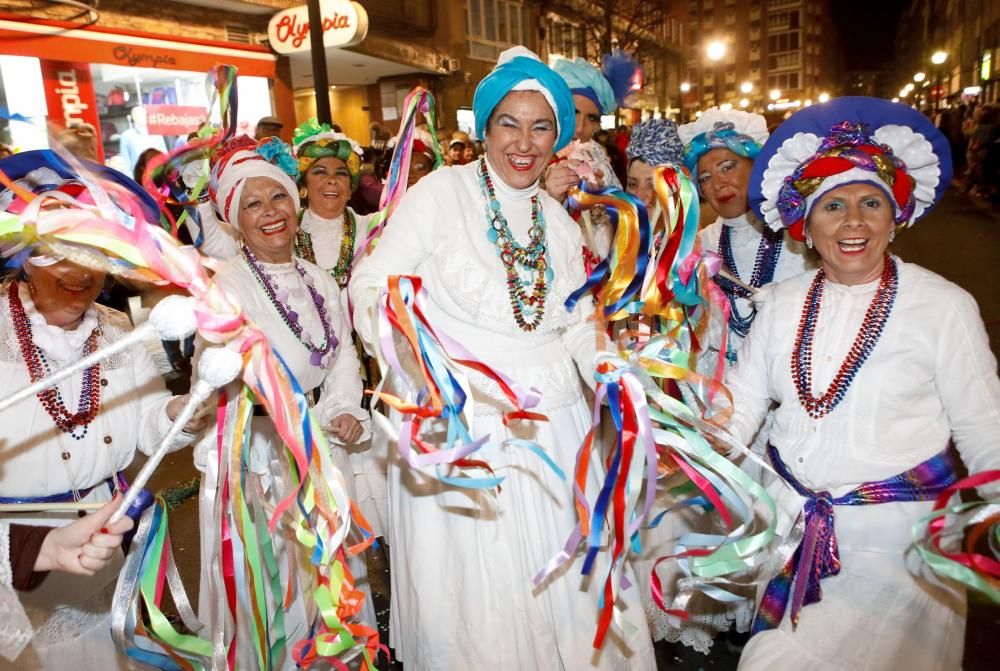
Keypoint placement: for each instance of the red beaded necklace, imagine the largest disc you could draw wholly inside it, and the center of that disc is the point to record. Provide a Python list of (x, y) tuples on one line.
[(38, 368), (864, 342)]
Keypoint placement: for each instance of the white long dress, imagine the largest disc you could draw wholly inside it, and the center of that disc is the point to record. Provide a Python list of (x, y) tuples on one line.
[(462, 595), (340, 393), (70, 613), (708, 617), (930, 379)]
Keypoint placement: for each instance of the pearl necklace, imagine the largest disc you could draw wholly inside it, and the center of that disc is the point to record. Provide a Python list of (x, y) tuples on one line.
[(864, 342), (38, 368), (764, 265), (342, 271), (321, 355), (528, 308)]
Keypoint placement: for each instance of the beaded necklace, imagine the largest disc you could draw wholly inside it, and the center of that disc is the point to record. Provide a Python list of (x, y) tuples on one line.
[(320, 355), (764, 264), (528, 308), (864, 342), (38, 368), (342, 271)]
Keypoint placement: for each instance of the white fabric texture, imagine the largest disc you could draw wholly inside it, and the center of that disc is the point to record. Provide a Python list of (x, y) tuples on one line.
[(462, 595), (69, 613), (930, 379), (232, 178), (15, 628), (341, 394)]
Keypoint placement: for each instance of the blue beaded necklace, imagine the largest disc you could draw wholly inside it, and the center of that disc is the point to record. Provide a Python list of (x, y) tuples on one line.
[(528, 308), (764, 264), (864, 342)]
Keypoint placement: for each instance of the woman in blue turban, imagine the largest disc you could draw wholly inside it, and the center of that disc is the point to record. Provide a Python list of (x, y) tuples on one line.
[(498, 258)]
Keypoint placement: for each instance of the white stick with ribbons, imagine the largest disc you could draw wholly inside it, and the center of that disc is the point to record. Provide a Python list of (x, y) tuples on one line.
[(217, 366)]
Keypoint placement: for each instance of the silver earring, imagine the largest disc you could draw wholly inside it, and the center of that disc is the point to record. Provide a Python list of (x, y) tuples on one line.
[(892, 234), (809, 241)]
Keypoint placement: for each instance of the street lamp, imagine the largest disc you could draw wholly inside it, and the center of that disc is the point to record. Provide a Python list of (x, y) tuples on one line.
[(938, 58), (685, 87), (744, 103), (746, 87), (716, 51), (824, 97), (775, 94), (919, 77)]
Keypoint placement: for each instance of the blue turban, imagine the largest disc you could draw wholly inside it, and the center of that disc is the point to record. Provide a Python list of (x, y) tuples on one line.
[(723, 136), (520, 65), (656, 142), (585, 80)]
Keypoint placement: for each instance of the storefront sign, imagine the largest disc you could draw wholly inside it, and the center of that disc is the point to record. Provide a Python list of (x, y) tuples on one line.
[(344, 24), (69, 94), (174, 119)]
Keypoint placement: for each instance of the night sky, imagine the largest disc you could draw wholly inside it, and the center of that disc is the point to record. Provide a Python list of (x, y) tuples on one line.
[(867, 30)]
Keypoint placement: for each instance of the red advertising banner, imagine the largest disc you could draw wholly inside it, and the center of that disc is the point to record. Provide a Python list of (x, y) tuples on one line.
[(69, 96), (174, 119)]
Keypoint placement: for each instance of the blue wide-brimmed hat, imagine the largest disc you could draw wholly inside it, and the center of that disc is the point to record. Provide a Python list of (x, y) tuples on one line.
[(847, 141)]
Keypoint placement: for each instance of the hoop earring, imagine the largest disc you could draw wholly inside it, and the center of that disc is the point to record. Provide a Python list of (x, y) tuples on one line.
[(809, 241)]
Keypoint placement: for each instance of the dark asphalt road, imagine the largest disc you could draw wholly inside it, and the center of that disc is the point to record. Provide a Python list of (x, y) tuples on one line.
[(959, 240)]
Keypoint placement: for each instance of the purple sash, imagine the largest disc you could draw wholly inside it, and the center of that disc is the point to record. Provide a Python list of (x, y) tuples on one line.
[(817, 556)]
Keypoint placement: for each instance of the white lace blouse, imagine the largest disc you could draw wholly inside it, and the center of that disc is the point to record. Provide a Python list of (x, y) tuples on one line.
[(33, 451)]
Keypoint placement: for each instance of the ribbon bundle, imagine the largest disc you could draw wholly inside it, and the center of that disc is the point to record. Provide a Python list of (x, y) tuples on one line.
[(441, 394), (981, 523), (656, 292), (421, 101)]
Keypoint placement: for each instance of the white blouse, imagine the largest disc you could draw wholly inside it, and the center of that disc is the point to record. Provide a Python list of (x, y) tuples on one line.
[(466, 281), (132, 414), (341, 381), (931, 378)]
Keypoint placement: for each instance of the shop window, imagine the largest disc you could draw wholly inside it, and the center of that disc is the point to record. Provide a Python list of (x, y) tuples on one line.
[(495, 25), (132, 108), (566, 40)]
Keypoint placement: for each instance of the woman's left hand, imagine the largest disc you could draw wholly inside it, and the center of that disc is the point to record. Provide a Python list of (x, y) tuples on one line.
[(346, 427), (197, 421)]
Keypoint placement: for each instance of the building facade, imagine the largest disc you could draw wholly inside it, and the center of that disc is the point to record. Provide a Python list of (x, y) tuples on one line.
[(760, 55), (136, 72), (955, 46)]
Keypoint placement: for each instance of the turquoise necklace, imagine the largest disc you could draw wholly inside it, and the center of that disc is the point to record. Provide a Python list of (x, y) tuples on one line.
[(529, 308)]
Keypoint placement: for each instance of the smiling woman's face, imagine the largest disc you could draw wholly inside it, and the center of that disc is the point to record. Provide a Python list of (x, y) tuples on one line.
[(520, 136), (328, 187), (64, 291), (724, 180)]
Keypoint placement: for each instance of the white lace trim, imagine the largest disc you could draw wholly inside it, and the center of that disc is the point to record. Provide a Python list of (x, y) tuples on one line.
[(701, 629), (6, 573), (113, 326), (66, 623), (15, 629)]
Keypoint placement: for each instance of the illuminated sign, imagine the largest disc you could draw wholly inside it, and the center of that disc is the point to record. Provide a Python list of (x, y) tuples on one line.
[(344, 24)]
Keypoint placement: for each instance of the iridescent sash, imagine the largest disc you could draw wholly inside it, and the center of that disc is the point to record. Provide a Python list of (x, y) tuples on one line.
[(117, 482), (817, 555)]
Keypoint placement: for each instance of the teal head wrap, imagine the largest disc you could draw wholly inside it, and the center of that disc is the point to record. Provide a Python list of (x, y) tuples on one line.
[(520, 70), (586, 80)]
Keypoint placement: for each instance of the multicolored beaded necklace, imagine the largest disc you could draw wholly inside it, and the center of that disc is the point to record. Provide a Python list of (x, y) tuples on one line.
[(864, 342), (528, 309), (320, 355), (38, 368), (342, 271), (764, 264)]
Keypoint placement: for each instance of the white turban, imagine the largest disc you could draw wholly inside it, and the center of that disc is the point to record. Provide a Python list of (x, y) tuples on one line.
[(230, 176)]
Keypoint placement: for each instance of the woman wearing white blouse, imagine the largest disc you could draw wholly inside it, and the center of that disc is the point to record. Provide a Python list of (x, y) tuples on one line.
[(875, 365), (72, 442), (462, 595), (297, 304)]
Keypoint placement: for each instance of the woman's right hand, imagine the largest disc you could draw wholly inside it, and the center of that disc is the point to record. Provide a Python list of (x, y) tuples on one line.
[(560, 178), (85, 546)]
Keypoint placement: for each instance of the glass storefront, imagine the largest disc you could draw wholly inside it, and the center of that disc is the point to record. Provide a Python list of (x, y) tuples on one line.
[(132, 108)]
